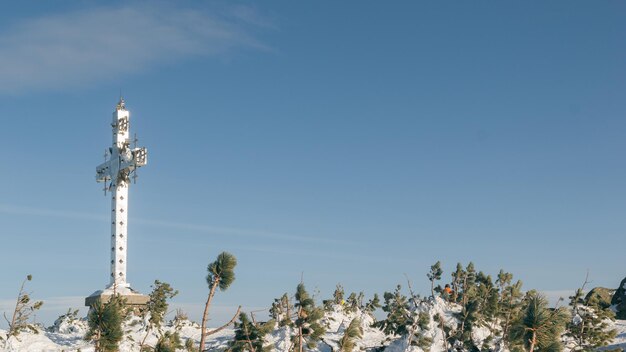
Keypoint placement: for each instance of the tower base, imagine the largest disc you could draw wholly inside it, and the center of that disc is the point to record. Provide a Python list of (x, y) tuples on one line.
[(133, 298)]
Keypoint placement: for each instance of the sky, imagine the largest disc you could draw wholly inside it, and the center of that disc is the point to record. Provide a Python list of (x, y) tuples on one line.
[(353, 142)]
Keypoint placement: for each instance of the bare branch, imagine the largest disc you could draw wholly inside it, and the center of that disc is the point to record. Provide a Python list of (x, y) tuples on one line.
[(225, 325)]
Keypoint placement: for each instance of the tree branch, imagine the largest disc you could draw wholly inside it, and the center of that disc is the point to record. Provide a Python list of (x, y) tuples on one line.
[(225, 325)]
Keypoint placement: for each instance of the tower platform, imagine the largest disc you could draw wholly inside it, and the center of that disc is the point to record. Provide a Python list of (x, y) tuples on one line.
[(133, 298)]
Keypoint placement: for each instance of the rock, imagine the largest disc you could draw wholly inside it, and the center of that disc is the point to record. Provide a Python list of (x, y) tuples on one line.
[(619, 301), (599, 297)]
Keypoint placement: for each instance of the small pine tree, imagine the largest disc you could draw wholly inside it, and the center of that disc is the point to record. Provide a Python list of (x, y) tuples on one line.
[(157, 307), (457, 280), (398, 315), (250, 336), (510, 307), (539, 328), (168, 342), (589, 325), (352, 303), (351, 335), (420, 336), (338, 295), (24, 308), (434, 275), (221, 274), (105, 324), (469, 283), (307, 324), (372, 304), (281, 311)]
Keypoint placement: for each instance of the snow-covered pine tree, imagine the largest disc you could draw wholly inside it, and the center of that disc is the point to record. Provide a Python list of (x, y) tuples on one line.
[(307, 324), (398, 318), (105, 324), (538, 328), (168, 342), (24, 308), (156, 308), (590, 324), (434, 275), (353, 332), (338, 298), (250, 336), (221, 274), (281, 311)]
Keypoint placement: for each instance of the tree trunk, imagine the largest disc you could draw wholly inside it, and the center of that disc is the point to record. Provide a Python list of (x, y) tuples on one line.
[(533, 341), (205, 315)]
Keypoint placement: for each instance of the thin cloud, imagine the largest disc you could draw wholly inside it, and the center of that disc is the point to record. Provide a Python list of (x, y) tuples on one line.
[(83, 47), (30, 211)]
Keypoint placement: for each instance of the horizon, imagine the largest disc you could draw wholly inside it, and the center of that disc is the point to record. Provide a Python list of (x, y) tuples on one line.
[(350, 143)]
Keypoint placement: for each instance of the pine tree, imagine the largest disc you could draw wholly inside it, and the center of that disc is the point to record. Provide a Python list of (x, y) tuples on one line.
[(351, 335), (352, 303), (434, 275), (307, 324), (24, 308), (250, 336), (221, 274), (338, 295), (398, 318), (168, 342), (420, 336), (372, 304), (539, 328), (157, 306), (457, 280), (468, 283), (281, 311), (510, 307), (589, 325), (105, 324)]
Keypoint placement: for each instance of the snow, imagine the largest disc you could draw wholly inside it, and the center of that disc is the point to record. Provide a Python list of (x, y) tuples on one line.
[(66, 334)]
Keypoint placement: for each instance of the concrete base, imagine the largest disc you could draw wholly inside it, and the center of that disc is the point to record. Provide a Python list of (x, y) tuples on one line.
[(133, 298)]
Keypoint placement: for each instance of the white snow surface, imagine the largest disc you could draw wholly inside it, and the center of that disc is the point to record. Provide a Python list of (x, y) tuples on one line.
[(67, 333)]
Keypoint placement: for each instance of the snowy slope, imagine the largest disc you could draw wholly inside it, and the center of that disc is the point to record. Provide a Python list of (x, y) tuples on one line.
[(68, 331)]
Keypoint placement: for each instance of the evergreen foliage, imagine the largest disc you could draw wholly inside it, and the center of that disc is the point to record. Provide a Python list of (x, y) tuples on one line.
[(351, 335), (105, 324), (157, 307), (168, 342), (221, 274), (307, 324), (338, 295), (24, 309), (510, 304), (420, 337), (372, 304), (434, 275), (539, 328), (250, 336), (281, 311), (398, 317), (589, 325), (352, 303)]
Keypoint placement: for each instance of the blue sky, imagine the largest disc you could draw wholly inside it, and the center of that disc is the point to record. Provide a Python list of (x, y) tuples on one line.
[(345, 142)]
